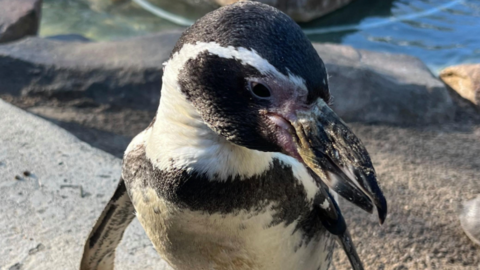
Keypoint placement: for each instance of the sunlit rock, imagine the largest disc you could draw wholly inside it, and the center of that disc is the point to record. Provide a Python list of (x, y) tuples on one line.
[(465, 80)]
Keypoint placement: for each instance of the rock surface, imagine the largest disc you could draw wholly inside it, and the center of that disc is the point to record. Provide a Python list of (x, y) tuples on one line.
[(470, 219), (465, 80), (366, 86), (299, 10), (124, 73), (378, 87), (45, 215), (70, 37), (19, 18)]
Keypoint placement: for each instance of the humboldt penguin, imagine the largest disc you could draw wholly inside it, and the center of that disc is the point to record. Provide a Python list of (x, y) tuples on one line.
[(242, 165)]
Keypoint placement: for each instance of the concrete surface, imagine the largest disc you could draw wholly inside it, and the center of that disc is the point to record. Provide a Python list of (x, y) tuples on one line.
[(45, 216)]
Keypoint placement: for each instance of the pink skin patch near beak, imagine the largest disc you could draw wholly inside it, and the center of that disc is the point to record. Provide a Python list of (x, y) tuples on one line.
[(285, 135)]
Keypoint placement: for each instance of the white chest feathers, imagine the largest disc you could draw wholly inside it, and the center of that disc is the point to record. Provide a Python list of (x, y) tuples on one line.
[(194, 240)]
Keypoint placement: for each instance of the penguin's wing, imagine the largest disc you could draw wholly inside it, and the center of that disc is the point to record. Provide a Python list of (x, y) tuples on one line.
[(333, 221), (99, 250)]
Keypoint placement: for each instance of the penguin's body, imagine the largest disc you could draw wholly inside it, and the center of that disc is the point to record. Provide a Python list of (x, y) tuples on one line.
[(234, 171), (196, 222)]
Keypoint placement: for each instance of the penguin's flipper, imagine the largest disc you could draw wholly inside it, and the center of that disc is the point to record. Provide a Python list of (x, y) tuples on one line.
[(352, 255), (333, 221), (99, 250)]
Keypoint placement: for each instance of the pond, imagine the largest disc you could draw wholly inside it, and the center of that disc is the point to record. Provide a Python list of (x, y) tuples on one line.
[(440, 32)]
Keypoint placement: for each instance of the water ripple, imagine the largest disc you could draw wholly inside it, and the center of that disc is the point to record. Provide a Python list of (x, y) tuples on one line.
[(356, 27)]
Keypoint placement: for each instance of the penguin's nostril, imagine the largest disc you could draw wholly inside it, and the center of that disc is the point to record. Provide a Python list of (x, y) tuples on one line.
[(260, 90)]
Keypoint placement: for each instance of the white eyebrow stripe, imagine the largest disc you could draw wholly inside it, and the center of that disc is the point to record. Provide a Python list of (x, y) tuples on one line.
[(245, 56)]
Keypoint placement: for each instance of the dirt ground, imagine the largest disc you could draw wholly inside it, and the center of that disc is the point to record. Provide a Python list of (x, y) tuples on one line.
[(425, 172)]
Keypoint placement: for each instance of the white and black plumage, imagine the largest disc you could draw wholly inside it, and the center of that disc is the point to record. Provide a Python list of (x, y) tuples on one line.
[(234, 172)]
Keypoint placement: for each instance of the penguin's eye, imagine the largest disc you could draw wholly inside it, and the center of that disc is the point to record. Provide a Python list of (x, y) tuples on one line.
[(259, 90)]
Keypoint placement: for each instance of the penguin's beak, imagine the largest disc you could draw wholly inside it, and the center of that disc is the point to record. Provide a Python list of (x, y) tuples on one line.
[(322, 141)]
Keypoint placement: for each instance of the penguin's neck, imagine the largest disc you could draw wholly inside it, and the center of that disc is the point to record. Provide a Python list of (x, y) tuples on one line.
[(180, 139)]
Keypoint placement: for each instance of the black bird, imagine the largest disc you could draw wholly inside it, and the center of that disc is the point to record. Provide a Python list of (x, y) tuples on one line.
[(237, 169)]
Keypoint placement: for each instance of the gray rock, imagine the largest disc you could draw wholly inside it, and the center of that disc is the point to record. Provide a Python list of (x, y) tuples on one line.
[(299, 10), (70, 37), (19, 18), (45, 215), (366, 86), (384, 88), (470, 219), (124, 73)]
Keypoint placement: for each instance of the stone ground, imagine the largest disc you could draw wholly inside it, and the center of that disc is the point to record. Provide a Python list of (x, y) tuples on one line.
[(425, 172), (52, 189)]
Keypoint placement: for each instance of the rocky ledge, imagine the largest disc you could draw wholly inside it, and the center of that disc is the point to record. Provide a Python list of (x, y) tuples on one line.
[(125, 73), (377, 87), (366, 86)]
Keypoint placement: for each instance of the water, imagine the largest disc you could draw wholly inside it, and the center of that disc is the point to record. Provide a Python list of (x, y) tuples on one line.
[(440, 32), (99, 20), (447, 37)]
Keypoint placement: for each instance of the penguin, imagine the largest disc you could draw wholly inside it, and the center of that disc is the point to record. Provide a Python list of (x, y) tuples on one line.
[(242, 165)]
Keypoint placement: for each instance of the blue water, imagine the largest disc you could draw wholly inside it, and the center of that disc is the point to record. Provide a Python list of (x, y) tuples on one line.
[(440, 32), (443, 38)]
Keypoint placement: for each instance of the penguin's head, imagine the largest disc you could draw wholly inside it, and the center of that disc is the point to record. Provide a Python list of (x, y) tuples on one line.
[(256, 80)]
